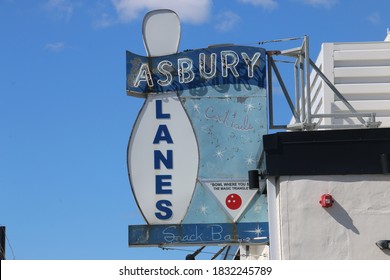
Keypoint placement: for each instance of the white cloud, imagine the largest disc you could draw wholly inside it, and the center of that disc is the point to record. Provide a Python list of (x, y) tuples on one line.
[(103, 20), (102, 15), (374, 18), (266, 4), (61, 9), (321, 3), (55, 47), (192, 11), (226, 21)]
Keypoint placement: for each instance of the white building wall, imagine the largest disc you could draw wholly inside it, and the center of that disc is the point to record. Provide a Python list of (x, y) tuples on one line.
[(359, 217)]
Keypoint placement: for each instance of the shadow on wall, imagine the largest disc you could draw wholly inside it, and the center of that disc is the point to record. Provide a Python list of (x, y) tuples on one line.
[(341, 216)]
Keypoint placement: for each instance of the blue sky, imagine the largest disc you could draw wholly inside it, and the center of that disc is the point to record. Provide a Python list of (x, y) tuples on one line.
[(65, 118)]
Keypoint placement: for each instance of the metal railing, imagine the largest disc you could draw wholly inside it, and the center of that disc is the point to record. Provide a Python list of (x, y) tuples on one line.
[(302, 109)]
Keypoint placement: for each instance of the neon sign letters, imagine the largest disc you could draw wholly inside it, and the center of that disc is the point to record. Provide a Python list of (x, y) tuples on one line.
[(185, 68)]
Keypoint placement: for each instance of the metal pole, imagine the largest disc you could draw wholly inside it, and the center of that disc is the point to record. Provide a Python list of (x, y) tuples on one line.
[(284, 89), (2, 243), (270, 103), (218, 253), (296, 77), (302, 88), (307, 66)]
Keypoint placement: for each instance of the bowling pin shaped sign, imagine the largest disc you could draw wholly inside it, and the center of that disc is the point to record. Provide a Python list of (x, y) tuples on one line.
[(200, 129), (163, 153)]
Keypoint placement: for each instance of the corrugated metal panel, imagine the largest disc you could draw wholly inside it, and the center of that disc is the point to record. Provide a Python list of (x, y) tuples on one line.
[(361, 55), (362, 75), (362, 89), (380, 108), (316, 88), (358, 46), (365, 105), (377, 91), (361, 72)]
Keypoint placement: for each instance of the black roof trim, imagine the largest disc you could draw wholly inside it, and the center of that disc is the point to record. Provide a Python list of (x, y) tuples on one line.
[(328, 152)]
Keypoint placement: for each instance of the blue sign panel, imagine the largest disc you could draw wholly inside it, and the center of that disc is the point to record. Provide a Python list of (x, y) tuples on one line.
[(202, 68), (198, 234)]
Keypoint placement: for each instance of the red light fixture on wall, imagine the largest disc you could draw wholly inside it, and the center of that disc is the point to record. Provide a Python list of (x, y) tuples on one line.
[(326, 200)]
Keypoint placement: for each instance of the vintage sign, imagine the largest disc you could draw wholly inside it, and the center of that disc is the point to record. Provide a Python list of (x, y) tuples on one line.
[(211, 128), (197, 135)]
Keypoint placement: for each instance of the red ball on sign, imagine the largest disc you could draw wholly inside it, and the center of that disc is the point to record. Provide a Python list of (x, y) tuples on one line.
[(233, 201)]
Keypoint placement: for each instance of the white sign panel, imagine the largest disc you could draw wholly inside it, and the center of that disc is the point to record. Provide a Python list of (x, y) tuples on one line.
[(163, 160)]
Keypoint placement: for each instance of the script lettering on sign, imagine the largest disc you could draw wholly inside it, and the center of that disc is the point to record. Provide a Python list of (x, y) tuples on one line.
[(193, 234)]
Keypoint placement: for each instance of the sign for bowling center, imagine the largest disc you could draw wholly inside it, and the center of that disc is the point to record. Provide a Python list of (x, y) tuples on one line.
[(197, 134)]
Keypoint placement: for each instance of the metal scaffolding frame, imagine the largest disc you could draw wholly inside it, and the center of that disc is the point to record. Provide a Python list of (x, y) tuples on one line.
[(301, 110)]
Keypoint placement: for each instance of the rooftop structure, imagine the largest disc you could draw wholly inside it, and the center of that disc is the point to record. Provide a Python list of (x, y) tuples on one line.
[(328, 190)]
